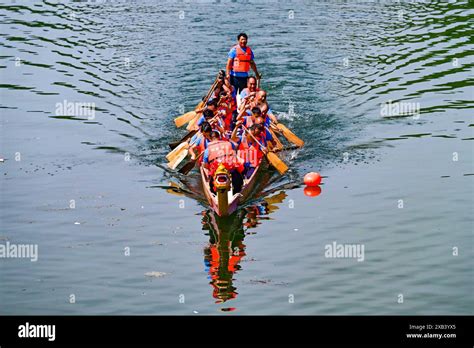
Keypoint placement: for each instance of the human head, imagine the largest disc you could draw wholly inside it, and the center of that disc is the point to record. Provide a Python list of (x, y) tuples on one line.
[(223, 95), (220, 82), (208, 114), (242, 39), (256, 111), (252, 84), (212, 105), (262, 95), (215, 135), (259, 119), (206, 129), (256, 129)]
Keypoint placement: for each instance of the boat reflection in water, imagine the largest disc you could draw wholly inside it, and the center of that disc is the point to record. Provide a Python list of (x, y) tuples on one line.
[(226, 247)]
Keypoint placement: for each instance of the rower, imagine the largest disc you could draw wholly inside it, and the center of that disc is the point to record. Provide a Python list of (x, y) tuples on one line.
[(249, 150), (222, 151), (240, 60), (261, 102), (256, 117), (223, 85), (207, 115), (250, 89), (200, 141), (225, 110)]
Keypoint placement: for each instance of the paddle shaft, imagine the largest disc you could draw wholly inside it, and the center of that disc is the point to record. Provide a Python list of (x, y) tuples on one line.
[(247, 130), (208, 95), (190, 165)]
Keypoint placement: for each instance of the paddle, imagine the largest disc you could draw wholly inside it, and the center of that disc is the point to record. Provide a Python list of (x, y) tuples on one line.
[(180, 152), (183, 119), (186, 137), (289, 134), (278, 144), (190, 165), (271, 156), (192, 124), (176, 156), (180, 156), (174, 153)]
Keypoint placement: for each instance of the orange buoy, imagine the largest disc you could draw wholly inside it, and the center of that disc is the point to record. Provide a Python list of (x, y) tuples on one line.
[(312, 179), (312, 191)]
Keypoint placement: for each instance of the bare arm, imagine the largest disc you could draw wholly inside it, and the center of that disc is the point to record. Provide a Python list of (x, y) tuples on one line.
[(228, 67), (273, 118), (234, 137), (192, 152), (254, 68)]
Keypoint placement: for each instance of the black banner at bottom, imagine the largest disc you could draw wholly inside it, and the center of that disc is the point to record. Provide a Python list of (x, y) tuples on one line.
[(196, 330)]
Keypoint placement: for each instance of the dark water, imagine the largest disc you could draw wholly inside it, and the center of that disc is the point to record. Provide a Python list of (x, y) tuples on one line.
[(87, 189)]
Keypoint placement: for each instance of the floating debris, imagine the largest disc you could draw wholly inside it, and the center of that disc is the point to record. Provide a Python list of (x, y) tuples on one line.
[(155, 274)]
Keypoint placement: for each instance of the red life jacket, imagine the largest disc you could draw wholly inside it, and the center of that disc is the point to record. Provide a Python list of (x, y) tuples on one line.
[(242, 59), (221, 151), (228, 117), (251, 154)]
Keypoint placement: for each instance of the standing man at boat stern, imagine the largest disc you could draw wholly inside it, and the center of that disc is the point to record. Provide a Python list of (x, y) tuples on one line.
[(240, 60)]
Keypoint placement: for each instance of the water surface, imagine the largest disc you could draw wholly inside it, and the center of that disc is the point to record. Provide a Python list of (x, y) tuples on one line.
[(399, 184)]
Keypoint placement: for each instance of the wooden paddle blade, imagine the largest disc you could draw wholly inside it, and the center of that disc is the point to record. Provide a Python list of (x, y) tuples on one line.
[(278, 145), (193, 124), (290, 135), (178, 159), (183, 119), (170, 157), (277, 162), (199, 106), (187, 167)]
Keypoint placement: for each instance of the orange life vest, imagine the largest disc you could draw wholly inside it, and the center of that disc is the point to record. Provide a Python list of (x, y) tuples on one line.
[(242, 59), (251, 154), (221, 152)]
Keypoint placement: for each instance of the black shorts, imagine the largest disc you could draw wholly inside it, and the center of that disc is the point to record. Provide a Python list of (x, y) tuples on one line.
[(239, 83)]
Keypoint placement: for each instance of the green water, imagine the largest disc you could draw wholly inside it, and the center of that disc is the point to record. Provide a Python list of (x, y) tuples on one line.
[(381, 92)]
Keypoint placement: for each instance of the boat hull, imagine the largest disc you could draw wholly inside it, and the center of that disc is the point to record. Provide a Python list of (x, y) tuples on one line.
[(233, 200)]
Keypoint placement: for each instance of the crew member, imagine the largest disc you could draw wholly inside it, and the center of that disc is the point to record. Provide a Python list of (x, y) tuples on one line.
[(240, 60), (222, 151)]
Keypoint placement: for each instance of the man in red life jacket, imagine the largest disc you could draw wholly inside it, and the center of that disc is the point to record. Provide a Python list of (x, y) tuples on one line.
[(208, 113), (240, 60), (255, 116), (223, 151), (200, 140), (249, 149), (225, 112)]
